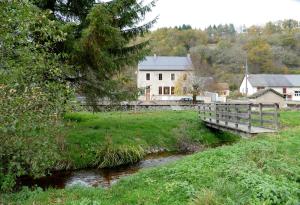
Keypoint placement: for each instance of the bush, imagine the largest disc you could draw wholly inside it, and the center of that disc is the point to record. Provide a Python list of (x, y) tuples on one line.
[(33, 93), (33, 156)]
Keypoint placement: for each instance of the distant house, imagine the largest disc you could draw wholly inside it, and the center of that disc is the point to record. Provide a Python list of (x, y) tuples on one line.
[(287, 85), (268, 96), (157, 75), (222, 89)]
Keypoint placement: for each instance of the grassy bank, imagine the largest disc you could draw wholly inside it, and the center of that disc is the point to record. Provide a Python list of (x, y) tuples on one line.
[(84, 140), (103, 138), (262, 170)]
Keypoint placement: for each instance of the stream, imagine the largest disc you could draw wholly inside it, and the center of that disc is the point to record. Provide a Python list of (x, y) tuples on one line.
[(97, 177)]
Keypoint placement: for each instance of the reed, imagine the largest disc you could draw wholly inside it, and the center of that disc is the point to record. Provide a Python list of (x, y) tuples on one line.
[(112, 156)]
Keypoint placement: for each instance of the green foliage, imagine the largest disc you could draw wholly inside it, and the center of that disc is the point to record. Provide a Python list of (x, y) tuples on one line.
[(32, 156), (259, 56), (216, 33), (33, 93), (32, 90), (101, 62), (102, 44), (174, 41)]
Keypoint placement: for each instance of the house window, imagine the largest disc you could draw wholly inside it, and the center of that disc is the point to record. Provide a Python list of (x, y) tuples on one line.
[(297, 93), (160, 90), (284, 90), (184, 76), (172, 76), (172, 90), (160, 76), (166, 90), (147, 76)]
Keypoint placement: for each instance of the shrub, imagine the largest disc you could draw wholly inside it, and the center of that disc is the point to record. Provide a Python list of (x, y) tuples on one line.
[(33, 93), (33, 156)]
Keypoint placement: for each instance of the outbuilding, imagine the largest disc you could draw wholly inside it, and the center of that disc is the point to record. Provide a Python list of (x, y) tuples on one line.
[(268, 96), (287, 85)]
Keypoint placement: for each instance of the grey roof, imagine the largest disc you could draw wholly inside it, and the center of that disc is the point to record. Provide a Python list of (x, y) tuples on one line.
[(274, 80), (264, 91), (165, 63)]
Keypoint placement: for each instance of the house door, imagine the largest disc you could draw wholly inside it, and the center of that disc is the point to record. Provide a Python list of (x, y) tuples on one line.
[(147, 93)]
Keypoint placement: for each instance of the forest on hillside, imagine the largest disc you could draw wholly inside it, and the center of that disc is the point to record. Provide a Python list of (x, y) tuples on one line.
[(221, 51)]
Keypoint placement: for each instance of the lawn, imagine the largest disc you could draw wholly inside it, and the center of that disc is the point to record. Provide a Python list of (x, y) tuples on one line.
[(86, 133), (260, 170)]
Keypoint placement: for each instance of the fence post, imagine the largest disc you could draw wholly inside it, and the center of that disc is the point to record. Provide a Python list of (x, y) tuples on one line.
[(260, 114), (204, 111), (210, 112), (276, 116), (249, 116), (226, 114), (236, 116), (217, 114)]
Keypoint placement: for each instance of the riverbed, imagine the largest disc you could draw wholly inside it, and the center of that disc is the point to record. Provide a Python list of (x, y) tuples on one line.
[(98, 177)]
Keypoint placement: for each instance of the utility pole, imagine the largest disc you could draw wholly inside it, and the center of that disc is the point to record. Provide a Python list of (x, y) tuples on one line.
[(246, 76)]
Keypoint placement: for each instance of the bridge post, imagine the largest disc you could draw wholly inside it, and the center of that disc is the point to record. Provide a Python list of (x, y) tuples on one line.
[(236, 116), (202, 111), (249, 116), (199, 112), (226, 114), (261, 114), (210, 114), (217, 114), (276, 116)]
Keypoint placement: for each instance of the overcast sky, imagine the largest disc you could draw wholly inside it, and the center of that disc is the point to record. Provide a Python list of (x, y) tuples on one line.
[(201, 13)]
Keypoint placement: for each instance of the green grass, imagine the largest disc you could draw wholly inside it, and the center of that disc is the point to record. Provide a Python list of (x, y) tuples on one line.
[(290, 119), (88, 133), (260, 170)]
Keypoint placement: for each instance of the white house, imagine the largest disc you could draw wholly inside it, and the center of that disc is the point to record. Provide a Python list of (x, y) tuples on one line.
[(287, 85), (157, 75)]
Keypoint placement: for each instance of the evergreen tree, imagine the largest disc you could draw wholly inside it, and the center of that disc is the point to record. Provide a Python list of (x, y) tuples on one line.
[(101, 40)]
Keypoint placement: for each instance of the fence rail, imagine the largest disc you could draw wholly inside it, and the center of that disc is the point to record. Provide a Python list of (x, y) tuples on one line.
[(252, 116)]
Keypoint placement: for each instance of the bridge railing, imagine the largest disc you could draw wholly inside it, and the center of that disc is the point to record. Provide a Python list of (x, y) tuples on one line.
[(246, 114)]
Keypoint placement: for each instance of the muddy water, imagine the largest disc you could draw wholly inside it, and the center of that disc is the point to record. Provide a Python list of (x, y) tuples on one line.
[(97, 177)]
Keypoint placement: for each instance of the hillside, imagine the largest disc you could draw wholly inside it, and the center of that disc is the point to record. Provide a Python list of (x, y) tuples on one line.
[(221, 50)]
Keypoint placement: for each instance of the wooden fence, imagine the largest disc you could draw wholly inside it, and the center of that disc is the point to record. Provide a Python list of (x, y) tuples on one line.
[(250, 115)]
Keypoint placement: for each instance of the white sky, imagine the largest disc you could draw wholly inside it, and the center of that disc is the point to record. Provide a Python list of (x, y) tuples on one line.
[(202, 13)]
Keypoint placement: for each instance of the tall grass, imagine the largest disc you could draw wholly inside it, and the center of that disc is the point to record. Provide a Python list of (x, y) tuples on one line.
[(112, 156)]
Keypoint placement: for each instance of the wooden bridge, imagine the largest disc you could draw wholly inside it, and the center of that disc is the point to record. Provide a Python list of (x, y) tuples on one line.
[(243, 119)]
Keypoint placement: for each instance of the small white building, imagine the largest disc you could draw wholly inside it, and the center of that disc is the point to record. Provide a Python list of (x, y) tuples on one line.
[(287, 85), (157, 76), (269, 96)]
